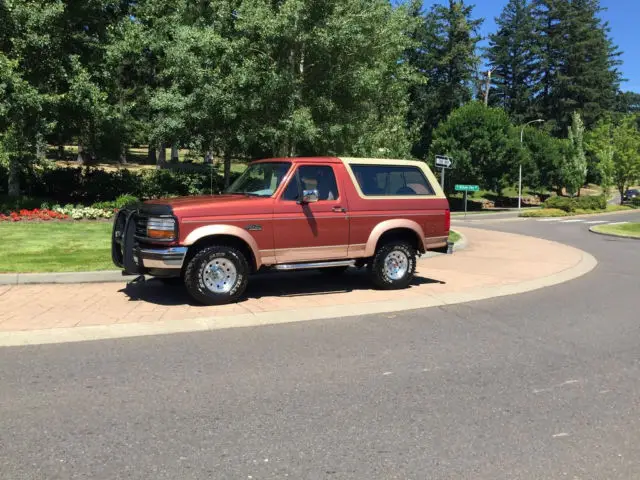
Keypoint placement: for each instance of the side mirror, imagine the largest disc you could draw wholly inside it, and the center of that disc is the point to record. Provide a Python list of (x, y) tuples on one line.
[(309, 196)]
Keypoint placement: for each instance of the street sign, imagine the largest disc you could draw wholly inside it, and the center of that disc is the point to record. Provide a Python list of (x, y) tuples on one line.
[(467, 188), (443, 162)]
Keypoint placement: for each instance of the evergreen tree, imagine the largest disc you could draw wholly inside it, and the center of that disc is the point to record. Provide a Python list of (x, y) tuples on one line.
[(577, 61), (628, 102), (574, 169), (512, 55), (445, 55)]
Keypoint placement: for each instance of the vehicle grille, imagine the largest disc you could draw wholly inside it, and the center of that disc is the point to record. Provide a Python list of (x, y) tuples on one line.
[(141, 225)]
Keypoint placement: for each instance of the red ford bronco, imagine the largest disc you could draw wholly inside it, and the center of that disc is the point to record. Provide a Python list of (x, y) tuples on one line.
[(289, 214)]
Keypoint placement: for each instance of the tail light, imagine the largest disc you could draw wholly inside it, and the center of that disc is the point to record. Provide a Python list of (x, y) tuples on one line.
[(447, 220)]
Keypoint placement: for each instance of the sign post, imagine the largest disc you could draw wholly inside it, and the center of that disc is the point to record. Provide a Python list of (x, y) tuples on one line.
[(444, 163), (466, 189)]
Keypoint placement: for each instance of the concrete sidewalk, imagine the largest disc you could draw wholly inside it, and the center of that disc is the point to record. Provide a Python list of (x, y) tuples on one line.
[(493, 264)]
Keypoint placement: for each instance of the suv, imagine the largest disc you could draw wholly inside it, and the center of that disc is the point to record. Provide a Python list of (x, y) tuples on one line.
[(289, 214)]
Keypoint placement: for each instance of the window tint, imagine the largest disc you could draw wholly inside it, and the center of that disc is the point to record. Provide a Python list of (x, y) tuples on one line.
[(313, 177), (260, 179), (387, 180)]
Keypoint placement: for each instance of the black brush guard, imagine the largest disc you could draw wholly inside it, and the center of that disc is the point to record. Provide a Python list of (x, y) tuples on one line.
[(123, 243)]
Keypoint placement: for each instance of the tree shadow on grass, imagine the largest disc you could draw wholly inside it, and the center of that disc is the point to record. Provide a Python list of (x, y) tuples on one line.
[(285, 285)]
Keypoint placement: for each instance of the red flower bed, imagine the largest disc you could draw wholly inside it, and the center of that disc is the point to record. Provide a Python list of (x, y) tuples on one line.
[(35, 214)]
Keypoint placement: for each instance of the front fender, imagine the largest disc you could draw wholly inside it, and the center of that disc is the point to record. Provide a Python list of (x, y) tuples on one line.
[(227, 230), (383, 227)]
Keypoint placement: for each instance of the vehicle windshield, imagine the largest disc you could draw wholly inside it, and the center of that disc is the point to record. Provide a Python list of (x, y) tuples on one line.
[(260, 179)]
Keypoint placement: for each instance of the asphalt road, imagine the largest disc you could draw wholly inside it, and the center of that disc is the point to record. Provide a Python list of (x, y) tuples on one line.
[(540, 385)]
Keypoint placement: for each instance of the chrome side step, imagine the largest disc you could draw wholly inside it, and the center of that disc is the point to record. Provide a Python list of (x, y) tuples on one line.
[(286, 267)]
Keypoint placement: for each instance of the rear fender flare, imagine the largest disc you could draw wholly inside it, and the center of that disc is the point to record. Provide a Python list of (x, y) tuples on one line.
[(383, 227)]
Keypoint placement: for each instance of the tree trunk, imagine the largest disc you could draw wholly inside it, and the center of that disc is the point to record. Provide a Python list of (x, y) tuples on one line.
[(487, 88), (175, 155), (61, 151), (227, 169), (123, 154), (13, 183), (151, 155), (622, 189), (81, 159), (162, 156), (41, 148)]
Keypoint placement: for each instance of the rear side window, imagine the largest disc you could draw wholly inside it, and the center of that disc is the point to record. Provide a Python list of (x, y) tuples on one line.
[(391, 180)]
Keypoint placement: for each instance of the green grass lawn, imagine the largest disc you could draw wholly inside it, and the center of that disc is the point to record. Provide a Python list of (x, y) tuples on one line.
[(627, 229), (55, 247), (62, 247)]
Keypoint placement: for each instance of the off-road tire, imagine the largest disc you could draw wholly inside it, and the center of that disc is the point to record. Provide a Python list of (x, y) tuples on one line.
[(193, 275), (378, 271)]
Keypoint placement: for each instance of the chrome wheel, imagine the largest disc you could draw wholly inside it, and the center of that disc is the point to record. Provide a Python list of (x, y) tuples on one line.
[(396, 265), (220, 275)]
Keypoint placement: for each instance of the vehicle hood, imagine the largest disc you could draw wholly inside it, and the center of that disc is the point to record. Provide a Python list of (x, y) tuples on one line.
[(208, 205)]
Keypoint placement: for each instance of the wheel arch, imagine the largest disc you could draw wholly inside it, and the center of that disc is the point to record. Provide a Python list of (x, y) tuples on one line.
[(224, 235), (398, 229)]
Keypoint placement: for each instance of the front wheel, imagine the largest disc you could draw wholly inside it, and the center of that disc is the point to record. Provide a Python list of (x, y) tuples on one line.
[(217, 275), (393, 266)]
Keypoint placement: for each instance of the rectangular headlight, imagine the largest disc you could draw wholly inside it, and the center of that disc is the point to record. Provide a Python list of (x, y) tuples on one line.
[(161, 228)]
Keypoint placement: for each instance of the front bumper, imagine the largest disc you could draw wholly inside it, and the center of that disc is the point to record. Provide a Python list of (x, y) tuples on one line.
[(161, 258), (135, 258)]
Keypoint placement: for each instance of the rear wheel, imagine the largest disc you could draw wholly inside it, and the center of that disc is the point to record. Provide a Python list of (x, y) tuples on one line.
[(217, 275), (393, 266)]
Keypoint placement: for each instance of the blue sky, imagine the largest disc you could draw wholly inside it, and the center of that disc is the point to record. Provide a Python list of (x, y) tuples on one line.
[(623, 17)]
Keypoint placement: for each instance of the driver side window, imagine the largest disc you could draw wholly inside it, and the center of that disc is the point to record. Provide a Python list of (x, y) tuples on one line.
[(312, 177)]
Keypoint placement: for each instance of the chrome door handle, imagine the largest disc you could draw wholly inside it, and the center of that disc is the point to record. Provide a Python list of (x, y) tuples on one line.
[(339, 210)]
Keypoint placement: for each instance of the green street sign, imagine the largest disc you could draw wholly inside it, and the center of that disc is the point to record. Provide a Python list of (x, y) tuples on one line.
[(467, 188)]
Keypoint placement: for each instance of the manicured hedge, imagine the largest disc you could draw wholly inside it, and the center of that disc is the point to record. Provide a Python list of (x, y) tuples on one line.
[(87, 185), (577, 203)]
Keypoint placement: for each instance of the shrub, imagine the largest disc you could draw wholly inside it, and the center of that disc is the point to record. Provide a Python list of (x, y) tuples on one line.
[(89, 185), (570, 205), (591, 203), (79, 212), (124, 200), (544, 212), (635, 202), (560, 203)]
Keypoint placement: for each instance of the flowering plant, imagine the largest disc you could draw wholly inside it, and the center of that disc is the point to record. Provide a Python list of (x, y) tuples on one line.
[(35, 214)]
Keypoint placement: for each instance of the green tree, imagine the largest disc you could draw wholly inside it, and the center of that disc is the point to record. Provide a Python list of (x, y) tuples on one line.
[(547, 156), (484, 145), (574, 168), (20, 116), (616, 144), (628, 102), (578, 62), (512, 55), (445, 55)]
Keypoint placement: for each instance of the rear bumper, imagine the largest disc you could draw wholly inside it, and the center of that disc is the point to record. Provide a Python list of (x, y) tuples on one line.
[(447, 249)]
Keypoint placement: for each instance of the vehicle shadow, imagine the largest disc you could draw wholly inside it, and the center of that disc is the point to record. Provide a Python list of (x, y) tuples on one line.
[(291, 284)]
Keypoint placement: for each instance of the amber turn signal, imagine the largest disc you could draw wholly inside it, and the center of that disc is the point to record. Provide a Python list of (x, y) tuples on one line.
[(161, 228), (160, 234)]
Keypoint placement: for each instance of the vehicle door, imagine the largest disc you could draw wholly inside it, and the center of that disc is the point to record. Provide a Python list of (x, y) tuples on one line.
[(310, 217)]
